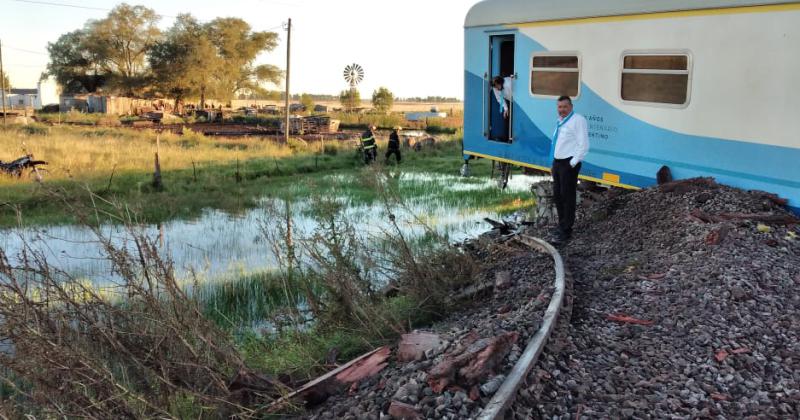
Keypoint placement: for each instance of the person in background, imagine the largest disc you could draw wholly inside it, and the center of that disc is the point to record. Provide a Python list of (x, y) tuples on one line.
[(368, 145), (570, 146), (393, 147), (501, 99)]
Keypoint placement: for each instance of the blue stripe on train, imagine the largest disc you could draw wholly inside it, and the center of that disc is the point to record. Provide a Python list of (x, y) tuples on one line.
[(621, 144)]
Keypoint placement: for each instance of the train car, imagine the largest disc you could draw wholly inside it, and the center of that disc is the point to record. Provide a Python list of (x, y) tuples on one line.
[(706, 88)]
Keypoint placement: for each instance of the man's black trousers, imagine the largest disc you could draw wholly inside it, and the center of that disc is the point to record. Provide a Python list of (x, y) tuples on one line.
[(565, 182), (390, 152)]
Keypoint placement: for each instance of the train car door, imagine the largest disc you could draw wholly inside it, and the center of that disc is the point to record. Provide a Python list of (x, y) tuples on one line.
[(501, 63)]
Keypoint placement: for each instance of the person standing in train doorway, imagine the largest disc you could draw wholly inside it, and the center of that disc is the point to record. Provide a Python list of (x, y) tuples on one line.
[(570, 145), (502, 98)]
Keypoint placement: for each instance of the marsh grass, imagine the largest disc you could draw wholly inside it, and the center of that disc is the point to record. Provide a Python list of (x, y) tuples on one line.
[(70, 352), (197, 172)]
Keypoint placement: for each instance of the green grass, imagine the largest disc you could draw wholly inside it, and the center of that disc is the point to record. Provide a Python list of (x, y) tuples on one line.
[(241, 300), (79, 118), (301, 354), (116, 165)]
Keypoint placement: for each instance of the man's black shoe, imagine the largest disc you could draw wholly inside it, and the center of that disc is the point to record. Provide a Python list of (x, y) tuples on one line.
[(559, 239)]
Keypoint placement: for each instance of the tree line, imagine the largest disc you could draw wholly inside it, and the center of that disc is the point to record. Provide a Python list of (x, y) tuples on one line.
[(126, 54)]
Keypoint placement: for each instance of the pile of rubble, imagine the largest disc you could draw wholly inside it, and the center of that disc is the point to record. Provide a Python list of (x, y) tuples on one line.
[(686, 304), (452, 369)]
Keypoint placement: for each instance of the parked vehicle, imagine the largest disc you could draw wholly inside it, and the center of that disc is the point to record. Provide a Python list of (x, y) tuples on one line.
[(16, 167)]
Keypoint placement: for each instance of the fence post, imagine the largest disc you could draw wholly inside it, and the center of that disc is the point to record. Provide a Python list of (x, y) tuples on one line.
[(157, 184)]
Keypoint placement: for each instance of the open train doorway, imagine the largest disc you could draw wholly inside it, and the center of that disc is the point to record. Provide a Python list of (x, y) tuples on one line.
[(499, 104)]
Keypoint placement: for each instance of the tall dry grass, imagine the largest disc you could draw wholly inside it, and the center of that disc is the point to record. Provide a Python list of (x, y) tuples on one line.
[(83, 152), (140, 350)]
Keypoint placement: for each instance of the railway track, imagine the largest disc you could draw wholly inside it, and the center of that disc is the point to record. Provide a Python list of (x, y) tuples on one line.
[(505, 395), (531, 306)]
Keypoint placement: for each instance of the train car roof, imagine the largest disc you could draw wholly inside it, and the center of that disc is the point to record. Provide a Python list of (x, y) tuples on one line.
[(499, 12)]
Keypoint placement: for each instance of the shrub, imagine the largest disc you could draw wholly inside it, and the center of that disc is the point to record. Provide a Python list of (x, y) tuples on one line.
[(330, 150), (138, 349), (35, 129)]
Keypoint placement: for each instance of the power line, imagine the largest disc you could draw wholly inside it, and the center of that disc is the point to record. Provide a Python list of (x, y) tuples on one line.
[(27, 51), (75, 6), (27, 65), (47, 3)]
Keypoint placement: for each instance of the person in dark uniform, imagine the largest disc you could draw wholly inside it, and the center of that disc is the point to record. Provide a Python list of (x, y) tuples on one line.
[(394, 145), (368, 145)]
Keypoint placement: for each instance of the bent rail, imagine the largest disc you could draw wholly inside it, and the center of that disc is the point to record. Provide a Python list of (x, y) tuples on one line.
[(504, 396)]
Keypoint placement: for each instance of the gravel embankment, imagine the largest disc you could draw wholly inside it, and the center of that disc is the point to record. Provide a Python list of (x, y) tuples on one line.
[(713, 305)]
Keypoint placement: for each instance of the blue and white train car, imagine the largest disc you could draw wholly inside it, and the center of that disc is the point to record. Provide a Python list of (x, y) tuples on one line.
[(707, 88)]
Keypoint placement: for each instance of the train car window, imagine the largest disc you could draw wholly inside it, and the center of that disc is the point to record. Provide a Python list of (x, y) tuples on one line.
[(655, 78), (555, 75)]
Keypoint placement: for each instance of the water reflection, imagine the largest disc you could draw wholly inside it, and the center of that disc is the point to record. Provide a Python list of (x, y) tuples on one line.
[(217, 243)]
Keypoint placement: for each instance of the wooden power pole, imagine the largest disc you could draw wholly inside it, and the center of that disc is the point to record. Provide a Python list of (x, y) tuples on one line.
[(288, 62), (3, 84)]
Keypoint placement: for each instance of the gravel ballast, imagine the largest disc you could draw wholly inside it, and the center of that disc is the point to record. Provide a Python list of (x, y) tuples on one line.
[(686, 303)]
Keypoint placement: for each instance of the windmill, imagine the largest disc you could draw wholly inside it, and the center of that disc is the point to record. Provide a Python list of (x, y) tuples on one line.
[(353, 75)]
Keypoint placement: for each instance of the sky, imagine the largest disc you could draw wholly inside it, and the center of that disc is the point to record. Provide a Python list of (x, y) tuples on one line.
[(412, 47)]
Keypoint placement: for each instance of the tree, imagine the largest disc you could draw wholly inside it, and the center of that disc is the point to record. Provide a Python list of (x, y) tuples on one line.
[(382, 99), (120, 43), (185, 61), (108, 53), (308, 102), (75, 69), (350, 99), (126, 53), (238, 46)]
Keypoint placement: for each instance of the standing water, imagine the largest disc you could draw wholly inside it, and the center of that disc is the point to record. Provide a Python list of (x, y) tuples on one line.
[(217, 243)]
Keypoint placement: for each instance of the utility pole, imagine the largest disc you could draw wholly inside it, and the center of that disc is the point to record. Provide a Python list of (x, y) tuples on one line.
[(288, 62), (3, 84)]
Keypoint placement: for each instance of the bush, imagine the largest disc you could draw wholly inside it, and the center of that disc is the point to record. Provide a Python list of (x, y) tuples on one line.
[(297, 145), (140, 348), (439, 126), (191, 138), (108, 121), (331, 150), (362, 121), (35, 129), (273, 122)]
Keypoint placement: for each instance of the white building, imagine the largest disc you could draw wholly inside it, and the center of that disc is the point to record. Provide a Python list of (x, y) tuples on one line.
[(46, 92)]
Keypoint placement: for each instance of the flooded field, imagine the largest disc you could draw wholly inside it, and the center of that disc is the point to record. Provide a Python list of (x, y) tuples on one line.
[(219, 246)]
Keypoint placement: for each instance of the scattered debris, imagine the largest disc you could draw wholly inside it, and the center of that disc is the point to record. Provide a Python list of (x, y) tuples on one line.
[(456, 378), (413, 346), (502, 280), (399, 410), (471, 364), (628, 319)]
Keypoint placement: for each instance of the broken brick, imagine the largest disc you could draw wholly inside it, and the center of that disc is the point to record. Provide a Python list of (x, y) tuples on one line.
[(414, 345), (628, 319), (398, 410)]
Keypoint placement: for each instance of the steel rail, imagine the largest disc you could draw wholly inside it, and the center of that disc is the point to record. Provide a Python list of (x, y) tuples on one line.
[(504, 396)]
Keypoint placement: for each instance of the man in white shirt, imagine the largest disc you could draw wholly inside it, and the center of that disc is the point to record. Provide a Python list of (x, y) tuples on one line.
[(570, 145), (504, 89)]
